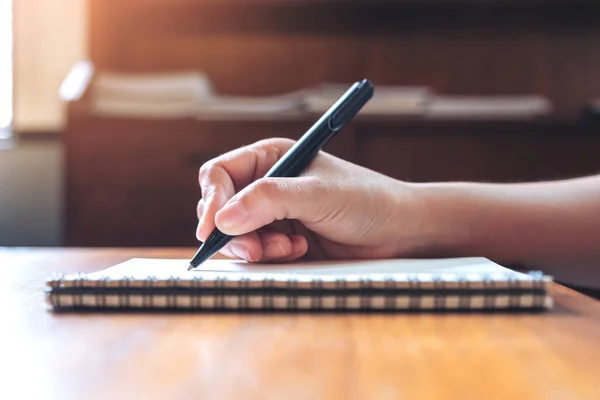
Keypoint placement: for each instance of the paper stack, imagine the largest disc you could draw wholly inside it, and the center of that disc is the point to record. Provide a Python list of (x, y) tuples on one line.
[(387, 100), (179, 95)]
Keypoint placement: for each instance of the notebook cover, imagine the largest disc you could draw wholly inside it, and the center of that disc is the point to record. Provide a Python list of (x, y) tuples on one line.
[(434, 284)]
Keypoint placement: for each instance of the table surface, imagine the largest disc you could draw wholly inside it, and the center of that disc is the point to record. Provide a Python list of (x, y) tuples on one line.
[(551, 355)]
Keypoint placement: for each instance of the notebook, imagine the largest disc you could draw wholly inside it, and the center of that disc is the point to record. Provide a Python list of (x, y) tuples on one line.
[(399, 284)]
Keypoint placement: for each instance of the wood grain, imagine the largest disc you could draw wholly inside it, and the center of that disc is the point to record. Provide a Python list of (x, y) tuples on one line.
[(478, 151), (133, 182), (273, 356)]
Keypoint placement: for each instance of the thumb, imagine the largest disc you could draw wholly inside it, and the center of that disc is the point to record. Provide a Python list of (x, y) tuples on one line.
[(270, 199)]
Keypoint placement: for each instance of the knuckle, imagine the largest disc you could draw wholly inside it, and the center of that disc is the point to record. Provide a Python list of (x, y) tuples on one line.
[(204, 171), (267, 155), (208, 174), (275, 144), (204, 167), (262, 152), (283, 141), (266, 188)]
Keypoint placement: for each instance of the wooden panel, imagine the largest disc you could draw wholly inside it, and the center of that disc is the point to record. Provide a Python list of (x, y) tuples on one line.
[(209, 17), (106, 30), (461, 62), (135, 182), (251, 64), (273, 46), (138, 216), (122, 153), (574, 61), (119, 27), (479, 152), (117, 165), (265, 47)]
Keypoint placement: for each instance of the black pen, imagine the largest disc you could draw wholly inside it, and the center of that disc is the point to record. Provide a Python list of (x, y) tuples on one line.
[(299, 157)]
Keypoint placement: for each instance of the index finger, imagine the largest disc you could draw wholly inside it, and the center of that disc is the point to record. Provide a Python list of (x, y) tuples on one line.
[(221, 178)]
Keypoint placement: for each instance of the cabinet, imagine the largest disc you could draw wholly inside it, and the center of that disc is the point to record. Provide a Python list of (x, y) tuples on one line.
[(134, 182)]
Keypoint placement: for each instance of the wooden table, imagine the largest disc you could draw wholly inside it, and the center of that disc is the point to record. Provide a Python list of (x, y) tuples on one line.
[(554, 355)]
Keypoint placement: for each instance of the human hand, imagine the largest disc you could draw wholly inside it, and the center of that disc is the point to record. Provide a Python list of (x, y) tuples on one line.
[(334, 210)]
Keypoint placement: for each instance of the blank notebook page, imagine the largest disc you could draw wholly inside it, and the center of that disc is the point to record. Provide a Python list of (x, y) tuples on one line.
[(164, 268)]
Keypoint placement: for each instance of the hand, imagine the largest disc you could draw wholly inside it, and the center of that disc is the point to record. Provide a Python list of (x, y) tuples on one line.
[(335, 210)]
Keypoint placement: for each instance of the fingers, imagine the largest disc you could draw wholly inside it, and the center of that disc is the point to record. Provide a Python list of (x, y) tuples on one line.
[(234, 171), (246, 247), (266, 246), (200, 209), (199, 213), (270, 199), (246, 164), (220, 178), (215, 195), (275, 245), (299, 247)]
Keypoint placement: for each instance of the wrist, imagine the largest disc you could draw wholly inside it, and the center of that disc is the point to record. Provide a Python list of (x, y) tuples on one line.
[(443, 219)]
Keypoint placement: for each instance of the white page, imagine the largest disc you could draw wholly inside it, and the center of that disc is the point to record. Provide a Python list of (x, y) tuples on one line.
[(142, 268)]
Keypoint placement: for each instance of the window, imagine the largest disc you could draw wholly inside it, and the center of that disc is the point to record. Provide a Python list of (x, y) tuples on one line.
[(6, 91)]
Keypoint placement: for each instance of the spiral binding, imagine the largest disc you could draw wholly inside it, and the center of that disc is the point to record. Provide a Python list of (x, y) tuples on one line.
[(223, 293)]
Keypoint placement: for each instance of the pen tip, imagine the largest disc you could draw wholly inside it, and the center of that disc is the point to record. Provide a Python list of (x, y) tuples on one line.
[(191, 267)]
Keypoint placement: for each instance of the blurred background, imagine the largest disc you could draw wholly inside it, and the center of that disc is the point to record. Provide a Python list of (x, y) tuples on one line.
[(109, 107)]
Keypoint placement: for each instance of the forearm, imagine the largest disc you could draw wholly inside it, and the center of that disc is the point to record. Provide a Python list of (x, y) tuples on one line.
[(536, 224)]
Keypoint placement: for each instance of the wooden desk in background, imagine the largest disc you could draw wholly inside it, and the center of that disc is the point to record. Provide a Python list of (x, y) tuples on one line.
[(262, 356)]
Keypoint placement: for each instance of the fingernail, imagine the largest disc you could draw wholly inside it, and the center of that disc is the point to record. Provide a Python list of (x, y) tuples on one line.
[(240, 251), (232, 215), (274, 249)]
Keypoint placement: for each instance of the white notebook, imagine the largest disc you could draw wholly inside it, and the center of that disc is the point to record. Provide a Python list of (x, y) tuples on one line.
[(399, 284)]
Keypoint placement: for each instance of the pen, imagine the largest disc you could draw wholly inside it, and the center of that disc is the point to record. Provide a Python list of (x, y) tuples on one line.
[(299, 157)]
